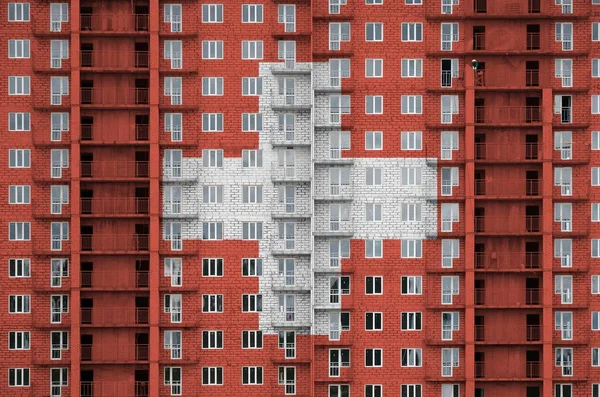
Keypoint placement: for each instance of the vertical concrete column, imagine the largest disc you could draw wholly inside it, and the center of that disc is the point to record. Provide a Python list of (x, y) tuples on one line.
[(547, 242), (469, 146), (154, 170)]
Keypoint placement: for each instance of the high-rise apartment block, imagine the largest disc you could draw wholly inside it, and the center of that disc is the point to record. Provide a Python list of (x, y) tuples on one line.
[(326, 198)]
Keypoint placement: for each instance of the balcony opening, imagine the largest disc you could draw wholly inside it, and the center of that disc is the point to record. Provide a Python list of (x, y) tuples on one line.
[(141, 164), (532, 110), (142, 303), (142, 267), (141, 200), (480, 148), (533, 328), (532, 218), (87, 197), (531, 146), (480, 182), (479, 364), (479, 392), (87, 92), (141, 127), (479, 328), (87, 232), (480, 75), (141, 55), (479, 110), (480, 6), (532, 358), (479, 38), (532, 73), (533, 37), (532, 291), (141, 237), (562, 106), (87, 344), (86, 13), (533, 391), (141, 346), (479, 220), (141, 383), (87, 306), (87, 55), (141, 18), (141, 91), (86, 160), (446, 72), (479, 255), (532, 255), (480, 292), (86, 388), (87, 128), (532, 179), (87, 272), (533, 6)]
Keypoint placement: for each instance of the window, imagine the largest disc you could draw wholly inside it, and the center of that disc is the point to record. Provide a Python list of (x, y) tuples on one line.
[(596, 285), (59, 269), (212, 230), (412, 31), (563, 285), (212, 267), (411, 357), (373, 176), (59, 13), (18, 12), (18, 340), (338, 105), (287, 233), (595, 212), (595, 31), (373, 321), (595, 68), (411, 212), (252, 375), (19, 194), (254, 158), (373, 67), (563, 177), (59, 342), (252, 194), (338, 358), (564, 34), (373, 104), (450, 323), (212, 303), (373, 212), (212, 339), (373, 390), (251, 303), (373, 357), (564, 359), (286, 124), (373, 2), (59, 196), (450, 179), (411, 176), (251, 267), (595, 357), (564, 70), (19, 267), (411, 390), (212, 158), (212, 194), (174, 53), (173, 305), (173, 89), (59, 86), (338, 69), (19, 231), (18, 377), (59, 232), (449, 35), (252, 49), (595, 176), (252, 230), (595, 321), (172, 343), (286, 197), (450, 359), (172, 199), (173, 162), (413, 2), (411, 321), (341, 390), (563, 390), (412, 68), (338, 249), (173, 16), (563, 215), (19, 121), (411, 285), (173, 234), (212, 122), (449, 108), (252, 122), (287, 377), (450, 71), (212, 49), (59, 304), (212, 86), (450, 288), (595, 104), (374, 248), (286, 14), (19, 85), (18, 49), (595, 386), (252, 13), (450, 251), (450, 216), (173, 380), (595, 248), (212, 13), (374, 31), (411, 248), (412, 104), (252, 340), (252, 86), (59, 160), (212, 376), (338, 32), (374, 285), (338, 321), (449, 143), (173, 270), (58, 380)]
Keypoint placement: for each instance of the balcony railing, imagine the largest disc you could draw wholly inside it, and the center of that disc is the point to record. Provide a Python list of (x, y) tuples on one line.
[(117, 23), (114, 389), (510, 335), (509, 297), (508, 115), (114, 169), (114, 206), (114, 59), (507, 188), (114, 352), (532, 370), (515, 8), (118, 316), (508, 260), (113, 280), (507, 152), (114, 242), (507, 225), (528, 78), (114, 96), (298, 172), (122, 135)]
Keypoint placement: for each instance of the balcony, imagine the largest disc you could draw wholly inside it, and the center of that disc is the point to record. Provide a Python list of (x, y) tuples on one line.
[(113, 280), (507, 297), (526, 79), (91, 135), (334, 192), (114, 170), (508, 261), (507, 152), (114, 207), (114, 389), (299, 172), (290, 282), (501, 335), (507, 115), (114, 243), (114, 97), (513, 9), (501, 225), (332, 228), (115, 317), (114, 61), (292, 102), (532, 370), (116, 24), (114, 353), (507, 188)]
